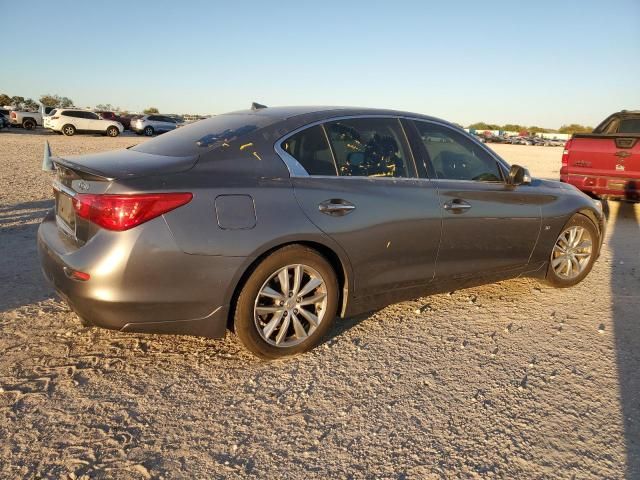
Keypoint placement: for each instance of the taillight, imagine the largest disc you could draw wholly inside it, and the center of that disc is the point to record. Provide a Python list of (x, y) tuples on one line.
[(13, 115), (565, 153), (122, 212)]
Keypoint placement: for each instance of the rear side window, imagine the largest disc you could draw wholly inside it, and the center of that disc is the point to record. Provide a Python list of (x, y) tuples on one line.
[(369, 147), (456, 157), (70, 113), (200, 137), (311, 149)]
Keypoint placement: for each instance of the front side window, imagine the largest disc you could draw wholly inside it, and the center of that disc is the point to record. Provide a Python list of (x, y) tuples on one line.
[(310, 148), (456, 157), (369, 147)]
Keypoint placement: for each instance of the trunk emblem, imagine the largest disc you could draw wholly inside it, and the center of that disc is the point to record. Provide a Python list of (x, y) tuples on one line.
[(623, 154), (82, 185)]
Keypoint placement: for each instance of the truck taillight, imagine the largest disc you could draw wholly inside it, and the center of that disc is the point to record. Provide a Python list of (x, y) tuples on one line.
[(13, 115), (122, 212), (565, 153)]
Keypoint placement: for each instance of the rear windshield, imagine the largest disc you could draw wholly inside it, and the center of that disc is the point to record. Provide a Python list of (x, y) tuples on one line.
[(204, 135), (629, 125)]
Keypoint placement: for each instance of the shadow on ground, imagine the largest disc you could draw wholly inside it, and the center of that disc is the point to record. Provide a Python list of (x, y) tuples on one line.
[(20, 273), (625, 286)]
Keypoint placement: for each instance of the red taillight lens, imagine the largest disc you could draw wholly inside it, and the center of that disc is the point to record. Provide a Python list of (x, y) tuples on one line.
[(565, 153), (13, 115), (122, 212)]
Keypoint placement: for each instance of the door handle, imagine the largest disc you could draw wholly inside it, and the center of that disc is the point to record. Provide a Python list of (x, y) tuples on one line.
[(456, 206), (336, 207)]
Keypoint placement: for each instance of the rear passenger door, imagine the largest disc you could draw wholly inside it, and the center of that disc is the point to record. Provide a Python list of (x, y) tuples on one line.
[(356, 181), (94, 122), (487, 225)]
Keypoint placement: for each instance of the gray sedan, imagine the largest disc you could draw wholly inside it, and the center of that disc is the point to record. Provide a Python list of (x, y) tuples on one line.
[(273, 222)]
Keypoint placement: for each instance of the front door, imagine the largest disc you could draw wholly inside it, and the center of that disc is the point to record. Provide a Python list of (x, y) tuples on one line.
[(362, 191), (487, 225)]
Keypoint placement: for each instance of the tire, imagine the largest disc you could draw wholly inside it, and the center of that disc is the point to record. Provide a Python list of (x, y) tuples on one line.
[(148, 131), (559, 273), (263, 334), (28, 124), (113, 132), (68, 130)]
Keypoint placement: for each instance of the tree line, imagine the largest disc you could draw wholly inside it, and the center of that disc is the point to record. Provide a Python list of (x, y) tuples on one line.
[(514, 127), (47, 100)]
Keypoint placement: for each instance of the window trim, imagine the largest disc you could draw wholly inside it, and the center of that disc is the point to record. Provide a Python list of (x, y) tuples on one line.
[(296, 170)]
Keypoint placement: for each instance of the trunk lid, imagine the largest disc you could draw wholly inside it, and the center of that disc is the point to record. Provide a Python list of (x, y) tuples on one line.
[(605, 155), (126, 163)]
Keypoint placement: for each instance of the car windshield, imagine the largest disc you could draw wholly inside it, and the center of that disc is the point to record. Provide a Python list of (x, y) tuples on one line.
[(204, 135)]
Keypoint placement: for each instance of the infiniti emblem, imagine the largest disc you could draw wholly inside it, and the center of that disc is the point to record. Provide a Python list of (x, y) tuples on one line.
[(82, 185)]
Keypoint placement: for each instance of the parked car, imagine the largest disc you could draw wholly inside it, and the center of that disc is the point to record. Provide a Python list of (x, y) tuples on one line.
[(153, 124), (70, 121), (28, 120), (123, 119), (606, 163), (554, 142), (4, 121), (276, 220)]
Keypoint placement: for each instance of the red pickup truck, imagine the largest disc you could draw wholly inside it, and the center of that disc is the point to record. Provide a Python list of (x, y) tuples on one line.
[(606, 163)]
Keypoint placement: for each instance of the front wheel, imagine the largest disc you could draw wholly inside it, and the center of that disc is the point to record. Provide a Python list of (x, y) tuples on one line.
[(574, 252), (148, 131), (288, 304), (113, 131)]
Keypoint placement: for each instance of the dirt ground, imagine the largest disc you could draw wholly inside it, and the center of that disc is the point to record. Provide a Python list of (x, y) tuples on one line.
[(511, 380)]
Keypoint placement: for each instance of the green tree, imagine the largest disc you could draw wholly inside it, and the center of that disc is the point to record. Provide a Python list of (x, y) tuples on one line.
[(575, 128), (151, 110), (482, 126), (4, 99), (49, 100), (512, 127), (30, 104), (17, 102), (107, 107)]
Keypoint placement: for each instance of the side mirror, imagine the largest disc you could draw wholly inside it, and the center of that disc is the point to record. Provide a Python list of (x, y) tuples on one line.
[(518, 176)]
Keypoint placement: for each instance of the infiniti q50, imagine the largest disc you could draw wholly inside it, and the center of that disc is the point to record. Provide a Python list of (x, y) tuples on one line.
[(273, 222)]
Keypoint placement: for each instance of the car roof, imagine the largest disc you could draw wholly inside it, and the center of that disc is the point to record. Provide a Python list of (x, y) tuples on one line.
[(284, 113)]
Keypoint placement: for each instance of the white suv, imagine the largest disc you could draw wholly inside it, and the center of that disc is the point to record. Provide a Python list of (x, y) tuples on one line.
[(70, 121)]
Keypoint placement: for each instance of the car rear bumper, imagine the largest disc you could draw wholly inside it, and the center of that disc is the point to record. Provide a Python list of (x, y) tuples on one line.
[(605, 186), (139, 283)]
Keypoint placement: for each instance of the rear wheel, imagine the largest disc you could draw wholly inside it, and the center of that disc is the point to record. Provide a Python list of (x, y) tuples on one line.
[(69, 130), (573, 253), (148, 131), (29, 124), (113, 131), (288, 304)]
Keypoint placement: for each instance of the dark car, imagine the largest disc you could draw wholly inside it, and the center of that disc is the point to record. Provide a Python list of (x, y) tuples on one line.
[(272, 222), (123, 119)]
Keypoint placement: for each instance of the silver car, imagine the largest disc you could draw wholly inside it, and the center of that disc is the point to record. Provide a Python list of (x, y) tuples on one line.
[(150, 125)]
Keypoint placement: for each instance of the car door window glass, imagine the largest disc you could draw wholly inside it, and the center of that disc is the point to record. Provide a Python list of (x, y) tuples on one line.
[(369, 147), (456, 157), (311, 149)]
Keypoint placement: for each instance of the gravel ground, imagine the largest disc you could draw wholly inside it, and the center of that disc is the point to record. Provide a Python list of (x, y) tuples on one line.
[(511, 380)]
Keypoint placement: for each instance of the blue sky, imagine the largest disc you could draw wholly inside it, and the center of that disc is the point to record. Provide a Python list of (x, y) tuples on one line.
[(535, 63)]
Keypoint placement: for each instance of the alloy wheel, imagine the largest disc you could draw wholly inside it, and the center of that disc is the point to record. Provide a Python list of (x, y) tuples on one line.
[(572, 252), (290, 305)]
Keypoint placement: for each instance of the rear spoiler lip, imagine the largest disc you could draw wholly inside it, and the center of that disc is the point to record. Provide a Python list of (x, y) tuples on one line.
[(80, 168)]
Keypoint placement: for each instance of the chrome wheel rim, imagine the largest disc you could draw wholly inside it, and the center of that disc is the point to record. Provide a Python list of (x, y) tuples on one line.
[(68, 130), (290, 305), (572, 252), (112, 132)]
